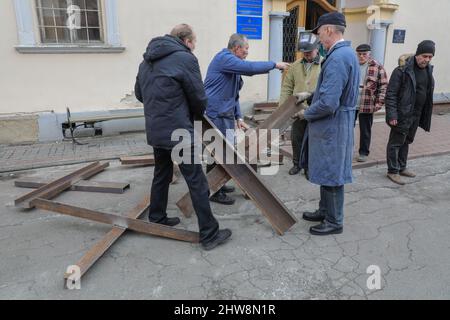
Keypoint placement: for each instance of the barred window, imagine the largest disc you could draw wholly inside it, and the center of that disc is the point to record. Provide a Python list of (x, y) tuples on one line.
[(70, 21)]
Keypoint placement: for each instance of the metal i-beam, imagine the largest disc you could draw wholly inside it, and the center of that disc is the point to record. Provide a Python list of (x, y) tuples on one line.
[(140, 226), (96, 251), (280, 119), (85, 186), (147, 160), (246, 178), (55, 187)]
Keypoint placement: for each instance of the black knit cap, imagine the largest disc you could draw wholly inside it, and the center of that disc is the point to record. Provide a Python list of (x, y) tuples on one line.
[(363, 48), (426, 46)]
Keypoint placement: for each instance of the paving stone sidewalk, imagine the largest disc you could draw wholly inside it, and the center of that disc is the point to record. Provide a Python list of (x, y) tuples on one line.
[(24, 157), (435, 143), (41, 155)]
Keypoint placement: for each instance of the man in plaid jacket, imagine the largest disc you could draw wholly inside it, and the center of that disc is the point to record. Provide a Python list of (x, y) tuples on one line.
[(372, 91)]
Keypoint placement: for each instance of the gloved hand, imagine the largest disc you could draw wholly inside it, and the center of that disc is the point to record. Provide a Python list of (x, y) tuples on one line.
[(302, 96), (299, 115)]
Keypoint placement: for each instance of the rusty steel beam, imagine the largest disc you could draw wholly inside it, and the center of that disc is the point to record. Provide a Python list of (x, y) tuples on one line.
[(286, 151), (147, 160), (246, 178), (55, 187), (216, 179), (85, 186), (95, 252), (281, 119), (140, 226)]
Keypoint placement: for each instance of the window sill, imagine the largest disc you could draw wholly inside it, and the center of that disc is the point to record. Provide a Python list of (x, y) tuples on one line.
[(67, 49)]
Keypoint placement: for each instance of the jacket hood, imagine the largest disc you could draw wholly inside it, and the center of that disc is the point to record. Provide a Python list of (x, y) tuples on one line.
[(161, 47), (411, 61)]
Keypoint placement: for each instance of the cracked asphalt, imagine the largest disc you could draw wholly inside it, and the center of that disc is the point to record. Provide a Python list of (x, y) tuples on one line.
[(405, 231)]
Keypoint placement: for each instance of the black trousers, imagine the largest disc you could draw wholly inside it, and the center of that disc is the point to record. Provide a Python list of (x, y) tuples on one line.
[(198, 188), (398, 147), (297, 134), (365, 133)]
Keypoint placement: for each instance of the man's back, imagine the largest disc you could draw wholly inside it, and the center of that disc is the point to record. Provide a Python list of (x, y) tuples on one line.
[(170, 86)]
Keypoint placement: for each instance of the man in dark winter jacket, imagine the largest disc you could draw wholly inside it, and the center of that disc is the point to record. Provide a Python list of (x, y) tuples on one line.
[(169, 84), (409, 105)]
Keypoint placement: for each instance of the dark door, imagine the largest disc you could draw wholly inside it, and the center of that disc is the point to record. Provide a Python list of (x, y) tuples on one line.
[(290, 32)]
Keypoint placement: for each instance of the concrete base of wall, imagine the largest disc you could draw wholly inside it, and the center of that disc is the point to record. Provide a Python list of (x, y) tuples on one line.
[(47, 126), (441, 108), (18, 129)]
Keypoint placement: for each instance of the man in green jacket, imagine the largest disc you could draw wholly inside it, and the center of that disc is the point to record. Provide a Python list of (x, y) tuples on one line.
[(302, 76)]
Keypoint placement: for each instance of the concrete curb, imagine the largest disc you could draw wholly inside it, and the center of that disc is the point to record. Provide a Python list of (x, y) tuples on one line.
[(373, 163)]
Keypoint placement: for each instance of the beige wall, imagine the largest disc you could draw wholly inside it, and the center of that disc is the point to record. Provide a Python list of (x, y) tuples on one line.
[(422, 20), (85, 82), (357, 32)]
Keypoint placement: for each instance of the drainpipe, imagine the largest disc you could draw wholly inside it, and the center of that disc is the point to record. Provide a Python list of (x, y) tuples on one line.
[(378, 37), (275, 53), (341, 6)]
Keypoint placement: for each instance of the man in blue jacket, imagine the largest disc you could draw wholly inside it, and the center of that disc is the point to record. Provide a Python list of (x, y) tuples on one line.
[(170, 85), (330, 117), (222, 84)]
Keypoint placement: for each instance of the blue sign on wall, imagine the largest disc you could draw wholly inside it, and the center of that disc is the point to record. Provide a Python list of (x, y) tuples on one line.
[(250, 7), (250, 27)]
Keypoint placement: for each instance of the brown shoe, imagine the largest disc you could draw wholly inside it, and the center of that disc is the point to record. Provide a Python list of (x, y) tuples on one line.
[(407, 173), (395, 178)]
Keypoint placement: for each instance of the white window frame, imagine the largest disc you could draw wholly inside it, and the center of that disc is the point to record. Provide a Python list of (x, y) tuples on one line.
[(26, 18)]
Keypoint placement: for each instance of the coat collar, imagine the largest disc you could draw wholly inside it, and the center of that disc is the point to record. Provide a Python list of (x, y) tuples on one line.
[(315, 61), (339, 45), (373, 62), (410, 65)]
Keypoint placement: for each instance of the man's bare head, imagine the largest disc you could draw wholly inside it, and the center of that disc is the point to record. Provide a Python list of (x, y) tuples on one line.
[(330, 34), (185, 33), (238, 44)]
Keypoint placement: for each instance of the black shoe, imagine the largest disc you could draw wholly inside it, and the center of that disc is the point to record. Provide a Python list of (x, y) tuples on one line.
[(294, 170), (227, 189), (221, 237), (306, 174), (169, 221), (325, 229), (222, 198), (316, 216)]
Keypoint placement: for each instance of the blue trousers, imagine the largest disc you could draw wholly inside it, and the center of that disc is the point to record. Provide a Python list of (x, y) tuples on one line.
[(332, 204)]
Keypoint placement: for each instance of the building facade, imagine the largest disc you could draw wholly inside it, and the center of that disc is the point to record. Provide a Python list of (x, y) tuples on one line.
[(84, 54)]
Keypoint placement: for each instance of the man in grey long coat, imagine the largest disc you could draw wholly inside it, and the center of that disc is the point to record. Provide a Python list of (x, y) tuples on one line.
[(330, 124)]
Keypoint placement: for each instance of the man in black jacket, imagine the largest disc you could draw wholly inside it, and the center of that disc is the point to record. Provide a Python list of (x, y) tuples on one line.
[(169, 84), (409, 105)]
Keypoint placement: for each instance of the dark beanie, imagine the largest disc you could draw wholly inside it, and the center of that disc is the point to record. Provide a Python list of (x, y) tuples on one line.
[(426, 46)]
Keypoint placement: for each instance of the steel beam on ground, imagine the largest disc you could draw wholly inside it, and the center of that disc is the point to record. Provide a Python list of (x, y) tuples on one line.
[(85, 186), (140, 226), (96, 251), (147, 160), (55, 187), (281, 119), (286, 151), (247, 179)]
